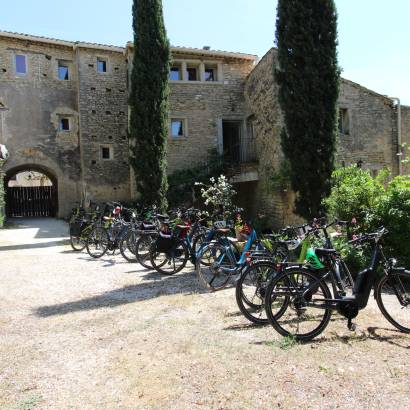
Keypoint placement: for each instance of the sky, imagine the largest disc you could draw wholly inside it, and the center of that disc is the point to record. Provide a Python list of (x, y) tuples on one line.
[(374, 35)]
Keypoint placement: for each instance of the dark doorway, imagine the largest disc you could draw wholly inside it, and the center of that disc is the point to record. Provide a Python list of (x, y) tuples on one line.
[(232, 140), (30, 193)]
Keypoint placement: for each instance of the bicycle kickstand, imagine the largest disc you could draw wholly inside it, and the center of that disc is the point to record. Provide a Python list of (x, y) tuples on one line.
[(350, 325)]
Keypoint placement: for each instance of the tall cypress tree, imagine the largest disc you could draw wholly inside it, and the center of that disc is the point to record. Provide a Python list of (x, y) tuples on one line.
[(308, 78), (149, 102)]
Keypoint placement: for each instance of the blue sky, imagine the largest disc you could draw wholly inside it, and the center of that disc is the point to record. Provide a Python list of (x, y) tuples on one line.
[(374, 35)]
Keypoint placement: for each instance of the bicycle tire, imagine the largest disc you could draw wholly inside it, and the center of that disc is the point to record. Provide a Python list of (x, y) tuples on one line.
[(164, 263), (142, 249), (77, 243), (251, 302), (98, 237), (207, 272), (393, 286), (296, 302), (129, 243)]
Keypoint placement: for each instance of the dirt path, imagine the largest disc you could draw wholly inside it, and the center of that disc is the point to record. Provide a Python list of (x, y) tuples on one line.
[(77, 333)]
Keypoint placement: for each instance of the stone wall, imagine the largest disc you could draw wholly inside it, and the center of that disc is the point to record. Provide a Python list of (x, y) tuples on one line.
[(405, 129), (371, 138), (261, 94), (103, 118), (35, 102)]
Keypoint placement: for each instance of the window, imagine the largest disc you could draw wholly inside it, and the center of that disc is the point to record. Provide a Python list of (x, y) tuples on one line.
[(192, 73), (175, 73), (101, 65), (177, 128), (64, 124), (211, 73), (344, 121), (63, 71), (106, 152), (21, 64)]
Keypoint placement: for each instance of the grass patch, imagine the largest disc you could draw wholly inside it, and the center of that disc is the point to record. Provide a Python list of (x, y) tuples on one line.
[(27, 404), (288, 342)]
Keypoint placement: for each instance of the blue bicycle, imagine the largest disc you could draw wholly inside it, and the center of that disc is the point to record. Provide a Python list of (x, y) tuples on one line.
[(223, 260)]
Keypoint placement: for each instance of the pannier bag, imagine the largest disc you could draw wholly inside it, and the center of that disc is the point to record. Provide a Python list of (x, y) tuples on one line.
[(77, 227), (164, 242)]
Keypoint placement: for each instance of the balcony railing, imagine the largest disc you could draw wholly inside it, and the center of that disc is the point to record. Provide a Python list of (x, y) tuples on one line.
[(240, 152)]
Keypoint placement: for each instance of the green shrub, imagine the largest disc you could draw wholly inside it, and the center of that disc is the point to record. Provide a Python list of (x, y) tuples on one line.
[(374, 203), (354, 193), (393, 212)]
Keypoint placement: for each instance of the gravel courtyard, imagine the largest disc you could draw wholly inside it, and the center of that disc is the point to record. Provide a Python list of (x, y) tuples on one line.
[(77, 333)]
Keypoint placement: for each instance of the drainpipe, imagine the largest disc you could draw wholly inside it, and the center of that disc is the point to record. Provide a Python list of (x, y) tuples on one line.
[(399, 148)]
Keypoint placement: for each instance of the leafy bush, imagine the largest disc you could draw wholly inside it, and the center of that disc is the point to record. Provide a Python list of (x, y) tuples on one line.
[(354, 193), (373, 202), (393, 212), (181, 183)]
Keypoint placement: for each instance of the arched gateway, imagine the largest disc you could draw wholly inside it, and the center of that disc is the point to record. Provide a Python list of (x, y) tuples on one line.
[(31, 191)]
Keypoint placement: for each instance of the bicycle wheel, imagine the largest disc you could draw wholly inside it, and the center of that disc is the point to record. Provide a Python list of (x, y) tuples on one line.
[(214, 266), (128, 246), (77, 243), (251, 290), (295, 305), (142, 249), (393, 298), (97, 242), (170, 262)]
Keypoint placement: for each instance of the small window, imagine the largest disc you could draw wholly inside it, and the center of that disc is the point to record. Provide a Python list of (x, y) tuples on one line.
[(101, 65), (175, 73), (211, 73), (177, 128), (106, 153), (192, 73), (21, 64), (64, 124), (63, 71), (344, 121)]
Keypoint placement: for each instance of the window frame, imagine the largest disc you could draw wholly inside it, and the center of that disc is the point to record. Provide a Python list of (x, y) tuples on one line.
[(67, 65), (60, 127), (343, 117), (110, 151), (25, 64), (214, 68), (180, 71), (184, 128), (102, 59)]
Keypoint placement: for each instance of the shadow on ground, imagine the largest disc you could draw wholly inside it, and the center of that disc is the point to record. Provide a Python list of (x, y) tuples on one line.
[(172, 285), (37, 245)]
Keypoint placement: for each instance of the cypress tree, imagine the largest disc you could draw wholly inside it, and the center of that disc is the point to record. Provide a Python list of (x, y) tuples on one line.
[(308, 78), (149, 102)]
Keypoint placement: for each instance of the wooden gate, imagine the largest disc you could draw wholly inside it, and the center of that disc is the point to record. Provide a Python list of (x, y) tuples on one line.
[(31, 201)]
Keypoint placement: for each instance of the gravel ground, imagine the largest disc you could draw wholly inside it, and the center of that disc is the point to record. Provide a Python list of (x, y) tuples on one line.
[(77, 333)]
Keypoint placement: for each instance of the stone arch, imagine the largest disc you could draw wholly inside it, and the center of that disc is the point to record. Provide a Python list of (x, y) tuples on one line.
[(53, 191)]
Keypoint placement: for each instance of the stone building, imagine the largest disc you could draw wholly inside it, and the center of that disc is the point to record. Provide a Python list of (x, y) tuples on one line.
[(67, 118)]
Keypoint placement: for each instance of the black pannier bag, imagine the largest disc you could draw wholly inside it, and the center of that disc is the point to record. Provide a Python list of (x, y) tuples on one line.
[(77, 227), (164, 243)]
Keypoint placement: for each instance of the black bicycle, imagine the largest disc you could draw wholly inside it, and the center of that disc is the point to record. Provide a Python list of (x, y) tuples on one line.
[(309, 301)]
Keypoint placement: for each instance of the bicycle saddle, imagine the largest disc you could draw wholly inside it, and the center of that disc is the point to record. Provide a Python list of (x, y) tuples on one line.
[(223, 230), (324, 251)]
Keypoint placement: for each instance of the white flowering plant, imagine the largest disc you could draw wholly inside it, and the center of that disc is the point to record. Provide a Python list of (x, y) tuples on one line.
[(219, 195)]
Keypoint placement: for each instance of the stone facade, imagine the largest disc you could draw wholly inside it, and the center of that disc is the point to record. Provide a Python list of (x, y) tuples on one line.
[(35, 102), (219, 100), (368, 135)]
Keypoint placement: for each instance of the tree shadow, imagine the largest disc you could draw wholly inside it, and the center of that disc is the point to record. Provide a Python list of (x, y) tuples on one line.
[(170, 285), (37, 245)]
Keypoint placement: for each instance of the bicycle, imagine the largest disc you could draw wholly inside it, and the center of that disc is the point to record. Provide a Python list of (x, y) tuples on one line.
[(305, 301)]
